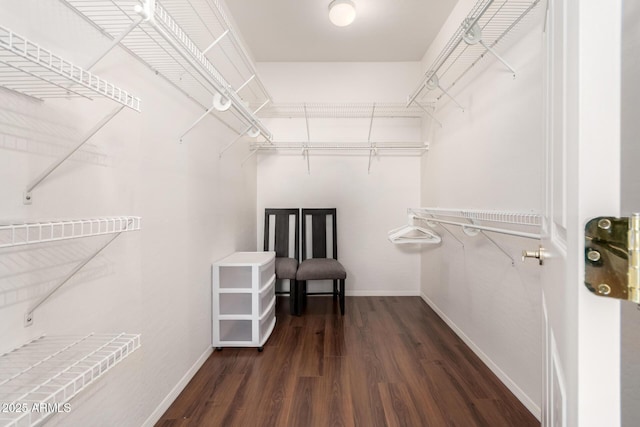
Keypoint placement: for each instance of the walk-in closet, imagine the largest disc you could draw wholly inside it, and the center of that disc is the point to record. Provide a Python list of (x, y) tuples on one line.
[(319, 213)]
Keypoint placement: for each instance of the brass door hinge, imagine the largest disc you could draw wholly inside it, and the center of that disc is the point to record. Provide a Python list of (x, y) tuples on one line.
[(612, 257)]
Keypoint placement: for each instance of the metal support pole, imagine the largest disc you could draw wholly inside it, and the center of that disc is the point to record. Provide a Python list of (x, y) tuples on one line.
[(35, 182)]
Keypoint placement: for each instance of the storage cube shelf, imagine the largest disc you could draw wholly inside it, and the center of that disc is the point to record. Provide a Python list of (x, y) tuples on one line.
[(52, 370), (244, 299)]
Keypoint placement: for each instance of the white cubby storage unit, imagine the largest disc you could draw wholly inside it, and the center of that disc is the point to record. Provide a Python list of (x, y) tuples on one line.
[(37, 379), (243, 299)]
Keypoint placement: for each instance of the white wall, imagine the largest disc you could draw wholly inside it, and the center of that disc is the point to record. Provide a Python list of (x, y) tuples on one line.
[(630, 185), (489, 157), (195, 209), (368, 204)]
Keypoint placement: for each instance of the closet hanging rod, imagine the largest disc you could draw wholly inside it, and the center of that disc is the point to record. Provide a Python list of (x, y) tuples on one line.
[(519, 218), (472, 226), (333, 146), (184, 46), (455, 41), (182, 62), (346, 110), (484, 27)]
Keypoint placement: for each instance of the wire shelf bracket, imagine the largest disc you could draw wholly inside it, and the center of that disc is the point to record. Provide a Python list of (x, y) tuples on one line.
[(488, 23), (27, 198), (42, 232), (50, 371)]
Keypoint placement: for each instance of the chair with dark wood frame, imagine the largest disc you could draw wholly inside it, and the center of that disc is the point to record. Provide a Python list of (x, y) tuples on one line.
[(286, 257), (322, 261)]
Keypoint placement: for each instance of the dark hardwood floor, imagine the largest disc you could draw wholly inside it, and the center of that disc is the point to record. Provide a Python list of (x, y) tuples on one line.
[(390, 361)]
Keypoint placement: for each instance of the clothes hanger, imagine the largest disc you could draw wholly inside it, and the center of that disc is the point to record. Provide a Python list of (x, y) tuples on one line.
[(413, 234)]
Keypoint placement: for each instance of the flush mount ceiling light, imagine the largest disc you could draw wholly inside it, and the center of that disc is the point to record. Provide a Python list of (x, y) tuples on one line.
[(342, 12)]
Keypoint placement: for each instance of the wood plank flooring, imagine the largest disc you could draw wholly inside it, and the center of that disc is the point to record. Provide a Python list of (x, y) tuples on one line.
[(390, 361)]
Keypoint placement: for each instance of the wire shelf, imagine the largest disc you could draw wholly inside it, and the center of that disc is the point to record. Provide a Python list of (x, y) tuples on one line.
[(38, 378), (496, 19), (41, 232), (342, 110), (350, 146), (28, 68), (515, 218), (183, 50)]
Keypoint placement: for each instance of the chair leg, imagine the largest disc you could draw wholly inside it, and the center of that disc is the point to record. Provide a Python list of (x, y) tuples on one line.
[(293, 297), (300, 296), (335, 289), (342, 296)]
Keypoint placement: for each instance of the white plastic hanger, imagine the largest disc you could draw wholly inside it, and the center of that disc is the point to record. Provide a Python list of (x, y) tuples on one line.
[(413, 234)]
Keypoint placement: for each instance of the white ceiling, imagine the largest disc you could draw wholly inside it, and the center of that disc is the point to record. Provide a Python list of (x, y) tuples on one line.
[(299, 30)]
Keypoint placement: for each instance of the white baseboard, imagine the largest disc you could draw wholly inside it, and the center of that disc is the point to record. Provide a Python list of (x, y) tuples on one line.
[(512, 386), (175, 392)]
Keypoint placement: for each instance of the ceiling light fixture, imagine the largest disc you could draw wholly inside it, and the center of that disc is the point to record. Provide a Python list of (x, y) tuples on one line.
[(342, 12)]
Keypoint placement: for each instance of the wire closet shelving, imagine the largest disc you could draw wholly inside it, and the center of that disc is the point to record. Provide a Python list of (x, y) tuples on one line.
[(51, 231), (487, 25), (369, 112), (29, 69), (12, 235), (37, 379), (32, 70), (192, 44), (526, 225)]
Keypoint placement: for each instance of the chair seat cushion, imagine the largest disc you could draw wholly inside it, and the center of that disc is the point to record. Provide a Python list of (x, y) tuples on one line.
[(286, 268), (321, 269)]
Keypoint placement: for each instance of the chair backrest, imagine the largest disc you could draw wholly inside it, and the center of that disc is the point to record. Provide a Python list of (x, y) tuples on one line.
[(319, 233), (282, 232)]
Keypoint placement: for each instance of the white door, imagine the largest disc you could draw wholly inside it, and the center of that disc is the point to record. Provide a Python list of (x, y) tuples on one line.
[(581, 331)]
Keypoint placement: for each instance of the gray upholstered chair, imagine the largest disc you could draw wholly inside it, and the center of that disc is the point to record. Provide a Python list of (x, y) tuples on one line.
[(282, 235), (320, 256)]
